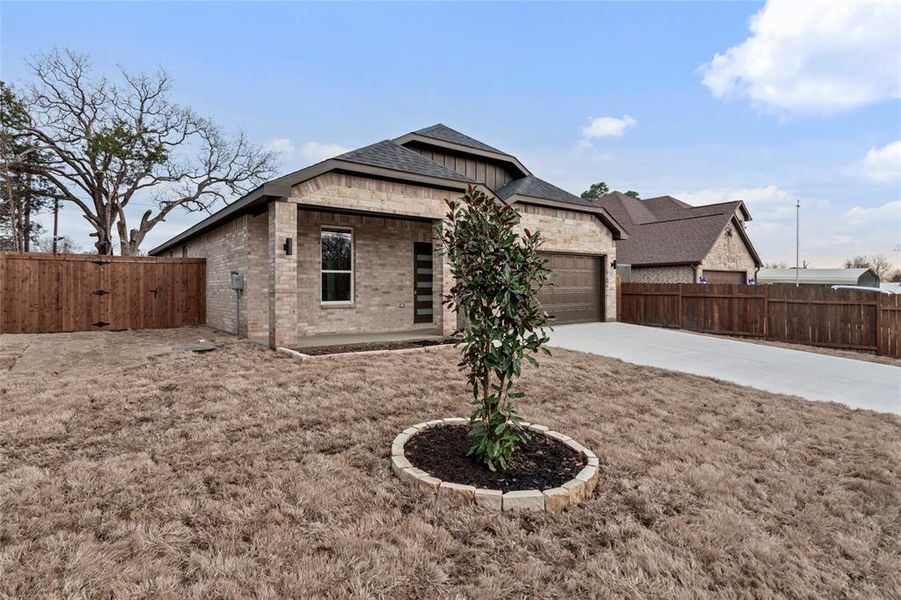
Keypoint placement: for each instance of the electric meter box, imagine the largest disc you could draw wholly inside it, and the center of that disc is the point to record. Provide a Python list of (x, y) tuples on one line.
[(237, 280)]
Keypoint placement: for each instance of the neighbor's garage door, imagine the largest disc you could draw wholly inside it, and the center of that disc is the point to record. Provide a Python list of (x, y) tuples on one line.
[(724, 276), (575, 296)]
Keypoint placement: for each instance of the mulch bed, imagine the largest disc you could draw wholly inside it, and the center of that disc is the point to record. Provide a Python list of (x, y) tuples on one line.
[(538, 464), (365, 347)]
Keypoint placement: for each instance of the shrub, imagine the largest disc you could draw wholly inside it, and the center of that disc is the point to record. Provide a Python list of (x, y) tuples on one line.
[(498, 274)]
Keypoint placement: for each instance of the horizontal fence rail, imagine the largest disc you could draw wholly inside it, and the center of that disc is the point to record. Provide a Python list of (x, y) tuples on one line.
[(47, 293), (817, 316)]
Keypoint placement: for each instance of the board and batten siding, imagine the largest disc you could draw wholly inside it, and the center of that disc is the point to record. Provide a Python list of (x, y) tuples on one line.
[(487, 172)]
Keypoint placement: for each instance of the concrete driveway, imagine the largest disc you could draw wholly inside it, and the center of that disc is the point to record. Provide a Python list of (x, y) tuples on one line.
[(856, 383)]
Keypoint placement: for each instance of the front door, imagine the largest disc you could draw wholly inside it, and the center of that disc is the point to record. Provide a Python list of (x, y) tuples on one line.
[(423, 261)]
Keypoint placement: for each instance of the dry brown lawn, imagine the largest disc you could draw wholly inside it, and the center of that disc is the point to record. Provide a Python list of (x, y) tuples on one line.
[(244, 473)]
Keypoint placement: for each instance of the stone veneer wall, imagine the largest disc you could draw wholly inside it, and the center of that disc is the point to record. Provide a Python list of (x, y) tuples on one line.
[(383, 274), (576, 233), (676, 274), (351, 192), (729, 253)]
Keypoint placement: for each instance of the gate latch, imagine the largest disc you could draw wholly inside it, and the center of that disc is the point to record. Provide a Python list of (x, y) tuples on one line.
[(100, 293)]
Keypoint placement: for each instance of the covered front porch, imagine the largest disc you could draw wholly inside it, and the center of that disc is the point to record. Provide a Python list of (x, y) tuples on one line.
[(350, 276)]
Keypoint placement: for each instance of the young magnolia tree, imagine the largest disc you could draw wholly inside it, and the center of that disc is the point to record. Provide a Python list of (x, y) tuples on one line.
[(498, 274)]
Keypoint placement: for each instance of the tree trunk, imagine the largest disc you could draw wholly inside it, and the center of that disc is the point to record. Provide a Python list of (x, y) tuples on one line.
[(26, 226)]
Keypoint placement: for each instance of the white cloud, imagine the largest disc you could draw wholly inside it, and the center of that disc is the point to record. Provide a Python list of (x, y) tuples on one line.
[(766, 194), (320, 151), (813, 56), (309, 152), (880, 165), (889, 212), (282, 146), (607, 127)]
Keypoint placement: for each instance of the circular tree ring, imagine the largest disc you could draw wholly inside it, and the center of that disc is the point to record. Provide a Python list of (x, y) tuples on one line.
[(569, 493)]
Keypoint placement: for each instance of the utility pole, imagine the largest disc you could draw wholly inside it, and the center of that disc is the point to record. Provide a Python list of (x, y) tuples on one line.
[(797, 242), (55, 222)]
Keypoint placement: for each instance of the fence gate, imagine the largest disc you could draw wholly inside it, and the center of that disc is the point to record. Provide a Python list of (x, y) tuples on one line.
[(46, 293)]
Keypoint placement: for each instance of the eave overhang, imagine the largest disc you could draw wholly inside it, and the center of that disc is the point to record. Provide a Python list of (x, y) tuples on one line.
[(619, 233)]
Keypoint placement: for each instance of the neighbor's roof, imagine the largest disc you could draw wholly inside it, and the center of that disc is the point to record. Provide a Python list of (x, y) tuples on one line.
[(667, 231), (813, 276)]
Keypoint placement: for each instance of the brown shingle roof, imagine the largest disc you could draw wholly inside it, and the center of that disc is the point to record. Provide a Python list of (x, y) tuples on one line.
[(665, 230)]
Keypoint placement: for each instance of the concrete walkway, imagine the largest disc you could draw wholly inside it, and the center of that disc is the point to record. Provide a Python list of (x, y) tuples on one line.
[(856, 383)]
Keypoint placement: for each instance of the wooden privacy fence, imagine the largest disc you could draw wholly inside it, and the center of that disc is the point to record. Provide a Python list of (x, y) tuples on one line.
[(818, 316), (46, 293)]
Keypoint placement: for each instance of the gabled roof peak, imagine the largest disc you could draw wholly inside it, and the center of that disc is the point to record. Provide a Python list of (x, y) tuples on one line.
[(440, 131)]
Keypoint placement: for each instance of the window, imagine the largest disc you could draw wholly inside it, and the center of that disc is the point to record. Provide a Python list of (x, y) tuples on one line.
[(337, 266)]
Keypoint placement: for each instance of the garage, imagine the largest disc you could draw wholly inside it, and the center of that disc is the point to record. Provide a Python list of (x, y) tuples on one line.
[(575, 291), (724, 276)]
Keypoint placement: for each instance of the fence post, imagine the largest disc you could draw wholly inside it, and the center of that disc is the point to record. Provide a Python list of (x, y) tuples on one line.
[(619, 299), (766, 312), (878, 323), (680, 305)]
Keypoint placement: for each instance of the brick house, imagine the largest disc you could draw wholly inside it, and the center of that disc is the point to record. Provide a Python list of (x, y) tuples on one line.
[(670, 241), (351, 244)]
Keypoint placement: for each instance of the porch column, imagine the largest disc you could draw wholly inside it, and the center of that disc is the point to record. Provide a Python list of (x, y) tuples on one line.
[(443, 281), (282, 274)]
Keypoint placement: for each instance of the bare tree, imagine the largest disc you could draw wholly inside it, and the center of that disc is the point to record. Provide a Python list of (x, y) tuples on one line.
[(877, 262), (775, 265), (115, 144), (22, 194), (64, 245)]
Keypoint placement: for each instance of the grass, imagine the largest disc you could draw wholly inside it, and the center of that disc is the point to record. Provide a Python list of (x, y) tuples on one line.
[(242, 472)]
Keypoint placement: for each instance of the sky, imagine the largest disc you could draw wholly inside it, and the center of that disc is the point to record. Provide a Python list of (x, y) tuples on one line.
[(769, 103)]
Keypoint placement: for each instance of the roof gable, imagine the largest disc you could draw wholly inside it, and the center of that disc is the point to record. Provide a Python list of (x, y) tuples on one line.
[(440, 131)]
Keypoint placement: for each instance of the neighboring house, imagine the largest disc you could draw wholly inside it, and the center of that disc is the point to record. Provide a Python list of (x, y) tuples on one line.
[(670, 241), (352, 244), (858, 277)]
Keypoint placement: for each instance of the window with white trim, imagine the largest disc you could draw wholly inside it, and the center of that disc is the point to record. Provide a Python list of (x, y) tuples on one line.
[(337, 265)]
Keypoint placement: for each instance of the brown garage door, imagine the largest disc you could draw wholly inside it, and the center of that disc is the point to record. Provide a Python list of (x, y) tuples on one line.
[(724, 276), (575, 293)]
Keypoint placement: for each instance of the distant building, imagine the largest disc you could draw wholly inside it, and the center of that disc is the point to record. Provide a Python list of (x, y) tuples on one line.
[(670, 241), (860, 277)]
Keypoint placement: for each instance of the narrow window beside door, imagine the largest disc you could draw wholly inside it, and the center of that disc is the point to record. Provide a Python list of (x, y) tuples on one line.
[(337, 266), (422, 278)]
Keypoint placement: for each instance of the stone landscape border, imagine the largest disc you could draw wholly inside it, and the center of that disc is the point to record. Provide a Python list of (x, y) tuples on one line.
[(552, 500)]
